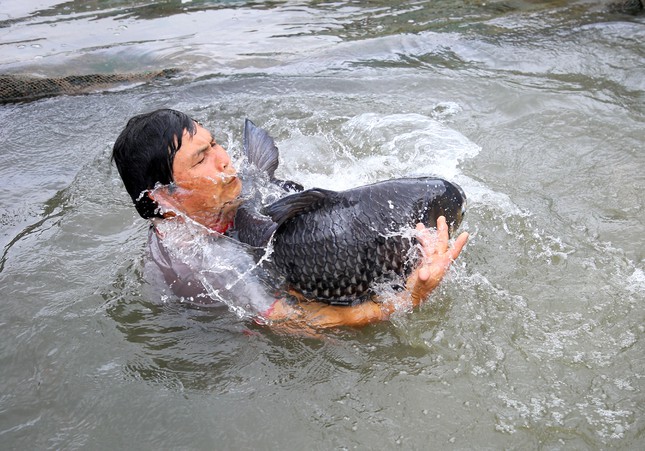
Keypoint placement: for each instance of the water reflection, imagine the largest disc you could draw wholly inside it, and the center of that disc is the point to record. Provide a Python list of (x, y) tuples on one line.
[(121, 36)]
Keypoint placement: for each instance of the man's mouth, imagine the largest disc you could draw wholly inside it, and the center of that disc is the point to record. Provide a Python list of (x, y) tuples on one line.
[(227, 179)]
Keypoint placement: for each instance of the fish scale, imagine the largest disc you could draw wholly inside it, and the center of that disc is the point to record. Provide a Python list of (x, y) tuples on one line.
[(334, 246), (340, 266)]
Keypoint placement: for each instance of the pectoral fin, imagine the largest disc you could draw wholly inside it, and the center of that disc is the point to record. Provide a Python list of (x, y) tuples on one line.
[(299, 203), (252, 228)]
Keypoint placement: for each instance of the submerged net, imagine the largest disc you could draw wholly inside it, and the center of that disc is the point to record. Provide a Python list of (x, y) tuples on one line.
[(21, 88)]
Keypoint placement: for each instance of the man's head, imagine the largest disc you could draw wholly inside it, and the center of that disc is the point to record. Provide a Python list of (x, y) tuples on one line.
[(167, 147), (145, 151)]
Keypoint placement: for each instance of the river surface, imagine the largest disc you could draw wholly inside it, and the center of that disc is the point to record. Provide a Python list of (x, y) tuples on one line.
[(535, 340)]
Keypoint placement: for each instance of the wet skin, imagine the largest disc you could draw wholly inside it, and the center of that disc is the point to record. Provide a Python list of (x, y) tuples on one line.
[(207, 186)]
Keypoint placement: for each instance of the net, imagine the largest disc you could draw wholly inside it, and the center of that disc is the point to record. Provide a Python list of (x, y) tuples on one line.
[(21, 88)]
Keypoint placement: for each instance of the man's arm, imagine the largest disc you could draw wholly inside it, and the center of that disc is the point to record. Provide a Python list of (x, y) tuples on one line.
[(437, 256)]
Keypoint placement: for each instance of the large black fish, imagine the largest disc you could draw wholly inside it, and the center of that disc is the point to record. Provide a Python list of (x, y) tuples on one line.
[(333, 246)]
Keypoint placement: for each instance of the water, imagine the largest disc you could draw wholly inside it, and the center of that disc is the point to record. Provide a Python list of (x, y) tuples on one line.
[(535, 340)]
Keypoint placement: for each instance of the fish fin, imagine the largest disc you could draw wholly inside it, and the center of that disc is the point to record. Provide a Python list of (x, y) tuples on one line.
[(296, 204), (253, 228), (289, 185), (260, 148)]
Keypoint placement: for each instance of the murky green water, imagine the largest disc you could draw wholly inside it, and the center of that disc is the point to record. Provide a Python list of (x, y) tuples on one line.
[(535, 340)]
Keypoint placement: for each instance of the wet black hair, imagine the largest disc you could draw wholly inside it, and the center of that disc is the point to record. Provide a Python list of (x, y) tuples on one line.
[(144, 153)]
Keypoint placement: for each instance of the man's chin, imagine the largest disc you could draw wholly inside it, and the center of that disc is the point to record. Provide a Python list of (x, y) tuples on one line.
[(230, 208)]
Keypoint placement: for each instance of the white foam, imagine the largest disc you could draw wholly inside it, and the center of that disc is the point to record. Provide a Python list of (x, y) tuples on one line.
[(636, 281), (372, 147)]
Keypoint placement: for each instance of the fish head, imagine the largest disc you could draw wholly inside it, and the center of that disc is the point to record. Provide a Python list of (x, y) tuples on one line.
[(454, 206), (447, 200)]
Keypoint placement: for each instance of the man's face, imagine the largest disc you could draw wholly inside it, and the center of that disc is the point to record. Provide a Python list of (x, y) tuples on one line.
[(207, 183)]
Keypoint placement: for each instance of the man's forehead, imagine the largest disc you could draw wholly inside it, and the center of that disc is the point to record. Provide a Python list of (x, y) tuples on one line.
[(200, 134)]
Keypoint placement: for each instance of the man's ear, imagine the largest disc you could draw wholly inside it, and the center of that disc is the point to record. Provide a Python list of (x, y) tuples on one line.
[(165, 200)]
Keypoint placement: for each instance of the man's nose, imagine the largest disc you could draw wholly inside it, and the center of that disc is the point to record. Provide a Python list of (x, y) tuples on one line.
[(224, 162)]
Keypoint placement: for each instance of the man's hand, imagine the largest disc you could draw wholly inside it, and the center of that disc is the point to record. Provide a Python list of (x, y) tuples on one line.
[(436, 257)]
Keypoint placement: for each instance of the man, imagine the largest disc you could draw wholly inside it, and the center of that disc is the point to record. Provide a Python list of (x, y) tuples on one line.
[(173, 169)]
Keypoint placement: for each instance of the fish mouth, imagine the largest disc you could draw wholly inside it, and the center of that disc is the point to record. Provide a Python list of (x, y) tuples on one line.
[(464, 199)]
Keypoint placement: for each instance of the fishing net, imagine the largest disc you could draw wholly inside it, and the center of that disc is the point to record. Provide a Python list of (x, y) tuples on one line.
[(20, 88)]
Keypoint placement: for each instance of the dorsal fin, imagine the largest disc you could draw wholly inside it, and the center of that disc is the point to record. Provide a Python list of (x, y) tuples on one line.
[(260, 148), (295, 204)]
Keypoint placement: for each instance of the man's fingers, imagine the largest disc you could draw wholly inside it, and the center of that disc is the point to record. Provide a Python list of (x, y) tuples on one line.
[(424, 273), (459, 244), (442, 235), (425, 238), (438, 242)]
